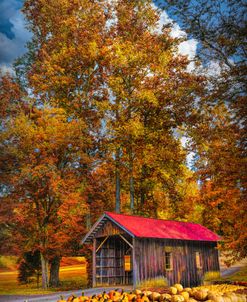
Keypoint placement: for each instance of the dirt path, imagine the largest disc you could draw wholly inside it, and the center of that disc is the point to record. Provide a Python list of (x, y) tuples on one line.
[(228, 271), (54, 297)]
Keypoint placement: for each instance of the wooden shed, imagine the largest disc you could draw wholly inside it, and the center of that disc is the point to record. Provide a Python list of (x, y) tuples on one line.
[(129, 249)]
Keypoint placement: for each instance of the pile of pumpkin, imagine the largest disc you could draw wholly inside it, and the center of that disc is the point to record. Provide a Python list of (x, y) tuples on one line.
[(175, 293)]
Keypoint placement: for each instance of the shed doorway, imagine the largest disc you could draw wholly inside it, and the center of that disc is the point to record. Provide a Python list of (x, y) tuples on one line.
[(113, 261)]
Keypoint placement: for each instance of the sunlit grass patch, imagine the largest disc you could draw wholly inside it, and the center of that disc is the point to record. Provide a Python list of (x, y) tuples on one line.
[(158, 282), (71, 277), (8, 263)]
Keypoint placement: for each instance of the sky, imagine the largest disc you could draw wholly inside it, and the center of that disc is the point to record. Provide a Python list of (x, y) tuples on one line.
[(14, 35)]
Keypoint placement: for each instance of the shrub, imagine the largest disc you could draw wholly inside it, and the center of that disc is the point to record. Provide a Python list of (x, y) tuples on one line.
[(29, 267), (211, 276), (154, 283)]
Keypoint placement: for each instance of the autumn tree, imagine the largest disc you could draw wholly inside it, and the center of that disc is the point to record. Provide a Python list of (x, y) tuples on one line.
[(152, 95), (220, 137), (221, 171), (46, 199), (118, 72), (65, 70), (10, 103)]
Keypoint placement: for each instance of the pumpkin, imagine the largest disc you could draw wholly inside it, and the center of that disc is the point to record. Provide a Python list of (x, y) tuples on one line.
[(215, 297), (241, 297), (123, 298), (201, 295), (173, 290), (144, 298), (166, 297), (227, 298), (84, 298), (178, 286), (186, 295), (147, 293), (131, 296), (192, 300), (177, 298), (138, 298), (154, 296), (71, 298)]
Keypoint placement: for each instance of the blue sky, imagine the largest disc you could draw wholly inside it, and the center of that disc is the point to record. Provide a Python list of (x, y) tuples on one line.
[(13, 34)]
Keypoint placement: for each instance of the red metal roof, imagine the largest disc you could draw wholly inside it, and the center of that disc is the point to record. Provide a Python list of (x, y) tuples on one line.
[(166, 229)]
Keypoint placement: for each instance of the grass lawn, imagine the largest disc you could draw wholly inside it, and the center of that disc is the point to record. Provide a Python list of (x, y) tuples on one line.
[(71, 277)]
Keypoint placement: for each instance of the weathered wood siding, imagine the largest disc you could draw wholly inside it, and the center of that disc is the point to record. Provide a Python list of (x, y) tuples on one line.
[(150, 258), (109, 229)]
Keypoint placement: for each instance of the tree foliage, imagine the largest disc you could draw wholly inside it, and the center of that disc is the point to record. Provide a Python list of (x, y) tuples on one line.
[(46, 198), (94, 118), (220, 137)]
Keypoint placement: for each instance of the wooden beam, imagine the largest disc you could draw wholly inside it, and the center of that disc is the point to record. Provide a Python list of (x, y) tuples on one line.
[(99, 247), (89, 236), (94, 262), (126, 241), (134, 264)]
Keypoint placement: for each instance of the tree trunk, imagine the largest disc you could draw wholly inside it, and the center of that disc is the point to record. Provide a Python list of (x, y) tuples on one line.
[(117, 174), (44, 269), (142, 186), (54, 271), (131, 181), (89, 258), (131, 164)]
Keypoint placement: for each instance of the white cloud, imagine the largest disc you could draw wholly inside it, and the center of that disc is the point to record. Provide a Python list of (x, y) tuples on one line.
[(187, 47), (11, 48), (6, 69), (190, 156), (213, 68)]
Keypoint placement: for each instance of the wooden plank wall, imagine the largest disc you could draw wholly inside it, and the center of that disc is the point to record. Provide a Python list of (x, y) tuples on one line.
[(150, 258), (109, 229)]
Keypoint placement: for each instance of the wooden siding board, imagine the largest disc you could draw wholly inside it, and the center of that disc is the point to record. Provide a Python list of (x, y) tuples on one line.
[(109, 229), (151, 261)]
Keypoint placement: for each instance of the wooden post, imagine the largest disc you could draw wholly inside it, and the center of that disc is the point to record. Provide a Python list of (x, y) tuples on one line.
[(134, 263), (94, 262)]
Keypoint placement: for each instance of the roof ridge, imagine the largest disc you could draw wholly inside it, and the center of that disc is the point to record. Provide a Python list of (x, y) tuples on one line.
[(160, 219)]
